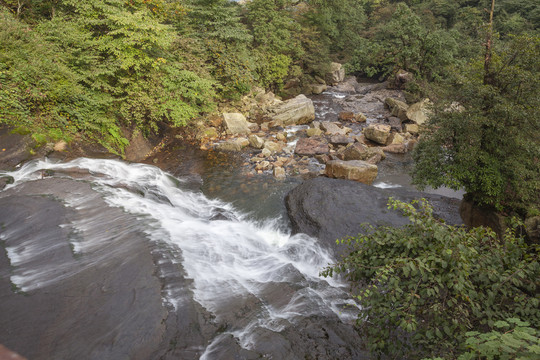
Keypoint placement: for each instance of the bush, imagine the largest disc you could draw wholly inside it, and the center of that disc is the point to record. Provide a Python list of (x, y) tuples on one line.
[(423, 286)]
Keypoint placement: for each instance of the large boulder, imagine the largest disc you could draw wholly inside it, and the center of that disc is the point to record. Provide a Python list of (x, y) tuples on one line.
[(419, 112), (336, 74), (236, 123), (356, 170), (397, 108), (331, 209), (378, 133), (298, 110), (139, 147)]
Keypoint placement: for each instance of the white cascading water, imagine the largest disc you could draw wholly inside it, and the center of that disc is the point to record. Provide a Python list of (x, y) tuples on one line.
[(227, 257)]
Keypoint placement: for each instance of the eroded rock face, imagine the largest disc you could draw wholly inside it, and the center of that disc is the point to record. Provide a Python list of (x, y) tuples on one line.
[(298, 110), (356, 170), (331, 209)]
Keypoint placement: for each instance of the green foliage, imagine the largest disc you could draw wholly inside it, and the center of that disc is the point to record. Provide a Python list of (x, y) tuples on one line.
[(40, 92), (511, 339), (423, 286), (273, 27), (404, 42), (488, 144)]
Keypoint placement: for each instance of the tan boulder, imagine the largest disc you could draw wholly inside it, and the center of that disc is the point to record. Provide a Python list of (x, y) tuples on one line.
[(356, 170), (397, 108), (410, 128), (256, 142), (298, 110), (378, 133), (236, 123), (419, 112)]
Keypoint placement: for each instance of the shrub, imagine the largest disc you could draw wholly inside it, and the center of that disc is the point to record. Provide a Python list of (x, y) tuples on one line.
[(423, 286)]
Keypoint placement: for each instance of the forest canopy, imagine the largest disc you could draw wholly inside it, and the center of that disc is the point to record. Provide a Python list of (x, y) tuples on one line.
[(87, 69)]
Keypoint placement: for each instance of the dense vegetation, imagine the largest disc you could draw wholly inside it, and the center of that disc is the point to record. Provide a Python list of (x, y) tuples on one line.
[(89, 68), (426, 286)]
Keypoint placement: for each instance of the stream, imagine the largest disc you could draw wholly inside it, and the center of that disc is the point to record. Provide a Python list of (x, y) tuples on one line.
[(102, 259)]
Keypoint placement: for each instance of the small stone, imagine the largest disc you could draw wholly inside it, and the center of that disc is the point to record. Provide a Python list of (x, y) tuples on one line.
[(279, 173), (60, 146), (314, 132), (273, 146), (410, 128), (256, 142), (359, 117), (281, 136), (266, 153), (263, 165), (346, 116)]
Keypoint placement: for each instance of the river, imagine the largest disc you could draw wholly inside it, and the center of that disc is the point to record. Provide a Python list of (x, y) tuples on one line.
[(102, 259)]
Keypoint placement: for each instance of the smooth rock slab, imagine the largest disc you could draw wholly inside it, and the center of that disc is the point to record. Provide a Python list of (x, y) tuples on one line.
[(356, 170), (331, 209)]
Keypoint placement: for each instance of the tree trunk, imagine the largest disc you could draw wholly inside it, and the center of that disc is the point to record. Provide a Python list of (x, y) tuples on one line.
[(489, 43)]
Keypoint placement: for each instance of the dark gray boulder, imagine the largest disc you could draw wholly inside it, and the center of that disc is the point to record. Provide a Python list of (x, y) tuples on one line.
[(331, 209)]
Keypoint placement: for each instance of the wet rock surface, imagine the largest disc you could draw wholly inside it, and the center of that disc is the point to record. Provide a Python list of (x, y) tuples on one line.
[(86, 311), (80, 279), (331, 209)]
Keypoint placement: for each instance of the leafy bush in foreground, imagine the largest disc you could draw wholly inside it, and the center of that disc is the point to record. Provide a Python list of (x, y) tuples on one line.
[(423, 286)]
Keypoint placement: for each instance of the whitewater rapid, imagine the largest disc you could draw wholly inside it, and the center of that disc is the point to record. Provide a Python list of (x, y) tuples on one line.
[(228, 255)]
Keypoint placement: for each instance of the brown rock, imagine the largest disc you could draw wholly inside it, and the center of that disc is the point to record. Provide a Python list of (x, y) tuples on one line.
[(139, 148), (359, 151), (347, 116), (359, 117), (340, 140), (60, 146), (311, 146)]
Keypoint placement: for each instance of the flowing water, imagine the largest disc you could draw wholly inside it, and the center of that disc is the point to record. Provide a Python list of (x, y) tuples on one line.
[(229, 256), (108, 260)]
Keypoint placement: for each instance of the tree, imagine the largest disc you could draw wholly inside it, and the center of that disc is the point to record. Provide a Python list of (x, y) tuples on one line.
[(403, 42), (483, 135)]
